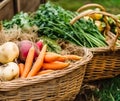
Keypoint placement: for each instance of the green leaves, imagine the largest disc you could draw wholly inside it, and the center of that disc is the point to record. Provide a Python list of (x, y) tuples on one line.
[(110, 90), (54, 22), (22, 20), (52, 45)]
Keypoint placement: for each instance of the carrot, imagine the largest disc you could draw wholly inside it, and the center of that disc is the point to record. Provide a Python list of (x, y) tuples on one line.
[(28, 62), (72, 57), (21, 68), (69, 57), (51, 56), (55, 65), (62, 58), (44, 72), (38, 63)]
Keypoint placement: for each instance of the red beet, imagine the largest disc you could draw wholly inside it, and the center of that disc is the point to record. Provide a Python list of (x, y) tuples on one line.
[(24, 47)]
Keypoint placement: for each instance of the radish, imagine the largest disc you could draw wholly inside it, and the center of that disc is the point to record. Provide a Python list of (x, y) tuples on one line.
[(39, 44), (24, 47)]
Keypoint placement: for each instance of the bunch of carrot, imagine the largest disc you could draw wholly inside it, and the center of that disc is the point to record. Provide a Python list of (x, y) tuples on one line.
[(46, 62)]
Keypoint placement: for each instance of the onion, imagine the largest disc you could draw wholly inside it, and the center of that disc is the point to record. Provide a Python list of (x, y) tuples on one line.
[(9, 71), (9, 51)]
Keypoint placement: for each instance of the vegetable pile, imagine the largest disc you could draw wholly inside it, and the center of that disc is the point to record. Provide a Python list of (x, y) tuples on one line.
[(9, 51), (27, 59)]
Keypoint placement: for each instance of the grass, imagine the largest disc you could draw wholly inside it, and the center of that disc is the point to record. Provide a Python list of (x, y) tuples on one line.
[(110, 88), (101, 90)]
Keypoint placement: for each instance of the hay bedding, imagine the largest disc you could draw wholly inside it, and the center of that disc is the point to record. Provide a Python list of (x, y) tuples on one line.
[(16, 34)]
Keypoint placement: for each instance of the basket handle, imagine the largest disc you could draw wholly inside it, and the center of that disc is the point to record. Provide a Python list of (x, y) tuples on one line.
[(89, 6), (107, 32)]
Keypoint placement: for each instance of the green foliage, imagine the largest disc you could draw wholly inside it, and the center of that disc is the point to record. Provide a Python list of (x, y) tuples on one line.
[(54, 21), (53, 46), (23, 20), (110, 90)]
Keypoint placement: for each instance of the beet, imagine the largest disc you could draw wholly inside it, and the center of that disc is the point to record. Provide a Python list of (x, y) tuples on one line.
[(24, 47)]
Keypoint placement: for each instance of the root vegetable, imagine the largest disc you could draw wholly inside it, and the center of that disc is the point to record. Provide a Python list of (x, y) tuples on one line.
[(9, 51), (39, 44), (51, 57), (55, 65), (38, 63), (28, 62), (44, 72), (9, 71), (24, 47), (21, 68)]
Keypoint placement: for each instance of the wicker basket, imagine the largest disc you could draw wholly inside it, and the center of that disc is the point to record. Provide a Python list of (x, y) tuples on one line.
[(106, 60), (6, 9), (60, 85), (104, 64)]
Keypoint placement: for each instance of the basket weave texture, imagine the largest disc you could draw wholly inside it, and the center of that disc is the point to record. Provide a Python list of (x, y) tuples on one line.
[(104, 64), (60, 85)]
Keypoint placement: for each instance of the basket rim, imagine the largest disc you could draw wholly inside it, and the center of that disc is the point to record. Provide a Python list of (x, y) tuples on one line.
[(20, 82)]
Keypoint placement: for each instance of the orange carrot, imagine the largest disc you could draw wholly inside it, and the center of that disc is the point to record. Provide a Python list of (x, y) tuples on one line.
[(21, 68), (55, 65), (44, 72), (62, 58), (38, 63), (28, 62), (51, 56), (72, 57), (68, 57)]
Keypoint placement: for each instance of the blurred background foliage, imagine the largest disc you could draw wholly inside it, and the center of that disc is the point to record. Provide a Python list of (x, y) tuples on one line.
[(112, 6)]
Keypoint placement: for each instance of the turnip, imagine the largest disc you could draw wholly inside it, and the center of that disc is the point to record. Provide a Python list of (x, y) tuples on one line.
[(9, 71), (24, 47), (9, 51)]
